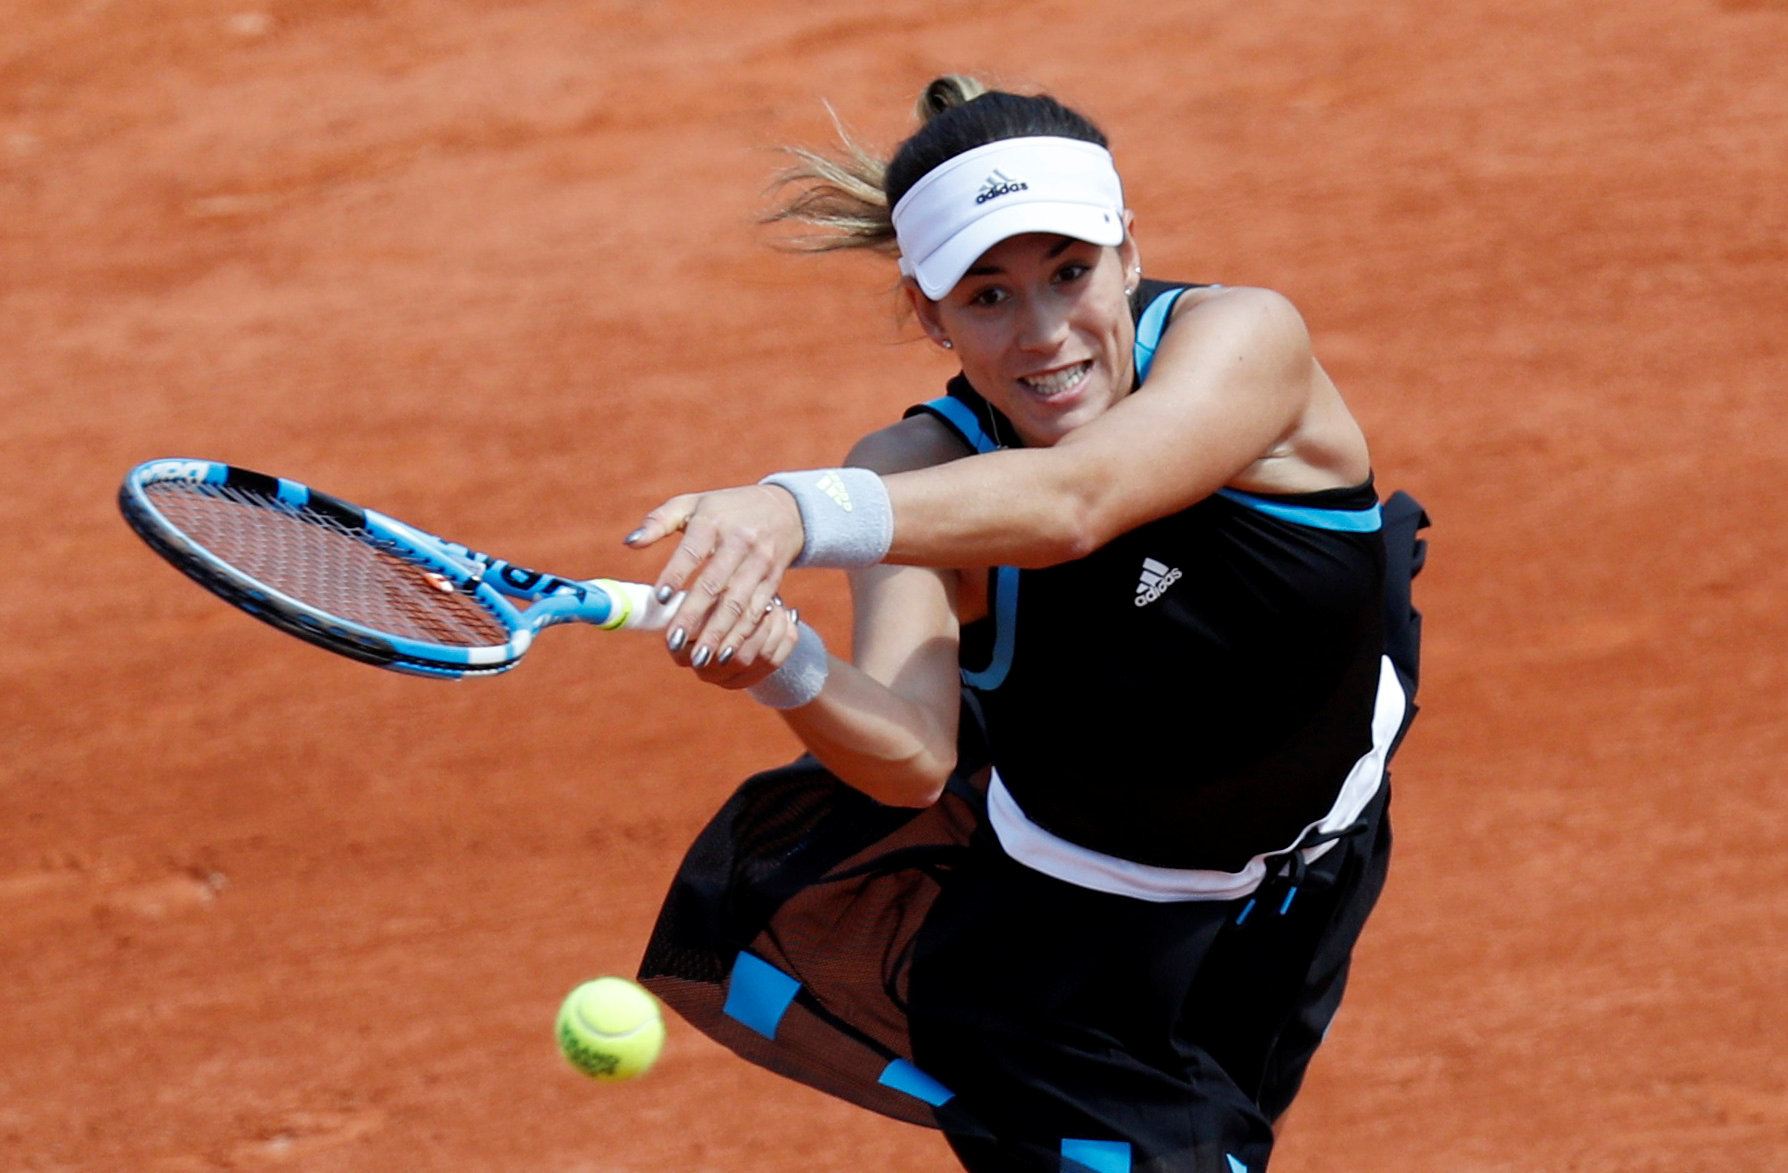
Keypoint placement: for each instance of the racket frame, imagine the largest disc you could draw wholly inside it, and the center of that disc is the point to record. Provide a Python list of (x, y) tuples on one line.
[(495, 584)]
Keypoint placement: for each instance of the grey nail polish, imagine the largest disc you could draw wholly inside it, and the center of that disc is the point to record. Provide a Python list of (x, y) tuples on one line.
[(633, 537), (725, 655), (700, 659), (663, 594), (677, 640)]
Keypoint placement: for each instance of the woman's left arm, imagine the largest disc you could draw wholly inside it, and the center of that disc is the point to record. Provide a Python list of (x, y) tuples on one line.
[(1230, 386), (1231, 396)]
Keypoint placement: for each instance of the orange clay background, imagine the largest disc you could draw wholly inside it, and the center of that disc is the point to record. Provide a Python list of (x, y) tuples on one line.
[(491, 267)]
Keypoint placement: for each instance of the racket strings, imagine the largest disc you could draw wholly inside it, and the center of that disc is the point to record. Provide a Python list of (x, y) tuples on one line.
[(316, 559)]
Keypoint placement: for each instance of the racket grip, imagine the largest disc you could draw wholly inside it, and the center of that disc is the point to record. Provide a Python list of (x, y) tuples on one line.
[(635, 607)]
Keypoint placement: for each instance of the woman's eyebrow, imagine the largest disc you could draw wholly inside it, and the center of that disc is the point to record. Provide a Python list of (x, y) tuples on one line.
[(1061, 246)]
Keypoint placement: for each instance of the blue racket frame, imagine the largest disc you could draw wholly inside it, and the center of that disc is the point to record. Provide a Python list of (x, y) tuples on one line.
[(494, 584)]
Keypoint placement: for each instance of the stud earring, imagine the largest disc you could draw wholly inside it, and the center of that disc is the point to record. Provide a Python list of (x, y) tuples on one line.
[(947, 344)]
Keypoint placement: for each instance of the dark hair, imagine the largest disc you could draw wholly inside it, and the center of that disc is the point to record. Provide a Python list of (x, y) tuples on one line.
[(957, 120), (850, 197)]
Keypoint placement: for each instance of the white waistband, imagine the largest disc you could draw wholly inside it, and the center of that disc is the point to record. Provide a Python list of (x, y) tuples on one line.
[(1054, 856)]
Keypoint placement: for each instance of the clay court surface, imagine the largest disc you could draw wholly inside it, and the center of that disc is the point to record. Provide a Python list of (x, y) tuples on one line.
[(491, 267)]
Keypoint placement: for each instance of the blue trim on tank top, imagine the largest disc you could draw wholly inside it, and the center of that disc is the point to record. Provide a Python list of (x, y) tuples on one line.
[(962, 416), (1005, 578), (1347, 521), (1149, 329), (1005, 632)]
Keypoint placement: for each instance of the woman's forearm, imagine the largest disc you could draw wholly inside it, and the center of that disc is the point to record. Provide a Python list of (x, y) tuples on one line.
[(894, 750), (1229, 384), (1009, 508)]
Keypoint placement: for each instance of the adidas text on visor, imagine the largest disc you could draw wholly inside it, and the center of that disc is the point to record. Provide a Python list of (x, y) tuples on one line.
[(966, 205)]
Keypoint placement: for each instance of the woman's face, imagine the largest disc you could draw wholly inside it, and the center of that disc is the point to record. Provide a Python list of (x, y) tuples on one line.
[(1041, 324)]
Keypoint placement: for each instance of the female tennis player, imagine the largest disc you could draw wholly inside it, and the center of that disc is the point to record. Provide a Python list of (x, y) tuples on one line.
[(1095, 812)]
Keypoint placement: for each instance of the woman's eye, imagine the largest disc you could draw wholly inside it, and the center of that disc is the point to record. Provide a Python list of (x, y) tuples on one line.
[(988, 296), (1072, 272)]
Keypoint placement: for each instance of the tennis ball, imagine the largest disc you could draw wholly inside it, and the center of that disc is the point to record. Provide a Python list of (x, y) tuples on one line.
[(610, 1028)]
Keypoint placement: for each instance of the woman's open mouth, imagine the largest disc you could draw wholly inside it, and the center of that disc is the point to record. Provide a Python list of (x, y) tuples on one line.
[(1058, 382)]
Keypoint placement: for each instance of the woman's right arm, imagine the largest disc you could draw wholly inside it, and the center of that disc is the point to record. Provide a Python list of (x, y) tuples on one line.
[(886, 720)]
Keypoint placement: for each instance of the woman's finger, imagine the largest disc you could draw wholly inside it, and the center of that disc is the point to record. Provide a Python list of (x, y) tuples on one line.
[(693, 562), (663, 521), (703, 588), (742, 664), (744, 648), (739, 608)]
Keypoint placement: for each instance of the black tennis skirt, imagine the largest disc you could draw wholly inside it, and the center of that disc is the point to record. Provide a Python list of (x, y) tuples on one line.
[(900, 960)]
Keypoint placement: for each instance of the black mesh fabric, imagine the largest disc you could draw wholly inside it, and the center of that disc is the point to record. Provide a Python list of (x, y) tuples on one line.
[(828, 886)]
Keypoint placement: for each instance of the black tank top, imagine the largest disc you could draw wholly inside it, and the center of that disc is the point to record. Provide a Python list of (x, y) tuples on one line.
[(1194, 693)]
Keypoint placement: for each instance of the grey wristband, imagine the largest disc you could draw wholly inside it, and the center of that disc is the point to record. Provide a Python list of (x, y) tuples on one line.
[(845, 516), (801, 676)]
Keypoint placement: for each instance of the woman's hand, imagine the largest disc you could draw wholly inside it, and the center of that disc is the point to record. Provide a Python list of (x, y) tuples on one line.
[(761, 652), (736, 545)]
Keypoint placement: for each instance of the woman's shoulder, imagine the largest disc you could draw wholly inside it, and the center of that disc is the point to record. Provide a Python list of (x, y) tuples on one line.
[(1236, 301), (920, 440), (1248, 318)]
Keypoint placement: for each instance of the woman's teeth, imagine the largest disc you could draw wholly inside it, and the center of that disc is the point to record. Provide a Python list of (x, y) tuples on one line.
[(1057, 381)]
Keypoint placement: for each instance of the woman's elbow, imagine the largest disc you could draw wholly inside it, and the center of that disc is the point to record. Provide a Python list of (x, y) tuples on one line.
[(920, 780), (915, 799), (915, 779), (925, 786), (1073, 527)]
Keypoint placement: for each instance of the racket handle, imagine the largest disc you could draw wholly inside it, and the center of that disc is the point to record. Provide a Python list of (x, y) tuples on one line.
[(636, 609)]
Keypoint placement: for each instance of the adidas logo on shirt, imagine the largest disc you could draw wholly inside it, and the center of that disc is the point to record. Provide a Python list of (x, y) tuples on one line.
[(1156, 578), (997, 185), (834, 488)]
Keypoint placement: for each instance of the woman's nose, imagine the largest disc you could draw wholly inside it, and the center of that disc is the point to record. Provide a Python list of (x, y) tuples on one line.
[(1041, 326)]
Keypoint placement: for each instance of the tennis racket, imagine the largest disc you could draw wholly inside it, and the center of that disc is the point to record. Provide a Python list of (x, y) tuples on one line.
[(356, 582)]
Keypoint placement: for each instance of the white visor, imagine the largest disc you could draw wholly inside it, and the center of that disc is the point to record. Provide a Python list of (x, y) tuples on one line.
[(966, 205)]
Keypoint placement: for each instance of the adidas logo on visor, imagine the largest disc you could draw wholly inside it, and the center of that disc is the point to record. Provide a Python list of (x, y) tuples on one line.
[(1156, 578), (997, 185)]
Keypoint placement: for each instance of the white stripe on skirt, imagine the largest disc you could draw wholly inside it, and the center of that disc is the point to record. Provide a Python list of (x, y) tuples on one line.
[(1054, 856)]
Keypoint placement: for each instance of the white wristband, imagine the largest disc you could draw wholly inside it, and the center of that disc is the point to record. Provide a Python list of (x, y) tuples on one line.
[(801, 676), (846, 518)]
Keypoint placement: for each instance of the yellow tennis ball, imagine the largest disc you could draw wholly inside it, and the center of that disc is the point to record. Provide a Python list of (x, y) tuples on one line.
[(610, 1028)]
